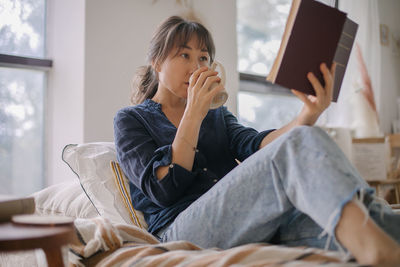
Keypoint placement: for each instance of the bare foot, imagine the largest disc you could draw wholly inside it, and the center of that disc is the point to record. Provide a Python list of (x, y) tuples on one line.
[(368, 243)]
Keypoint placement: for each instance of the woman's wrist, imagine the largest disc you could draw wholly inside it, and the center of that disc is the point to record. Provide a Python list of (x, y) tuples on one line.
[(184, 146), (189, 128), (306, 119), (193, 116)]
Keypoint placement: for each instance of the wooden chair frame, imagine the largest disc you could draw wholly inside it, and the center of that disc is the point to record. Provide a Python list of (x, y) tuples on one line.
[(393, 176)]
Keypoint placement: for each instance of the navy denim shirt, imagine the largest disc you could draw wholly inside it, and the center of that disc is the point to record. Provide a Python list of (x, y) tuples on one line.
[(143, 139)]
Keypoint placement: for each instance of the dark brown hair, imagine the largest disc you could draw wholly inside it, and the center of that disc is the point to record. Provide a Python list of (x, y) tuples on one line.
[(173, 32)]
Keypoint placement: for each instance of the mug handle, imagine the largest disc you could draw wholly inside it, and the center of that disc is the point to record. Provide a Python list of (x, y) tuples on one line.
[(222, 70)]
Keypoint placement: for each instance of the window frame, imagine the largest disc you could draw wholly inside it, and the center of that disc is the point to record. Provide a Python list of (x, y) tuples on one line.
[(258, 84), (12, 61)]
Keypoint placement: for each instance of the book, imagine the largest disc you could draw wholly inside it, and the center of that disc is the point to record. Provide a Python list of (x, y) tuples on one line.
[(315, 33), (10, 205)]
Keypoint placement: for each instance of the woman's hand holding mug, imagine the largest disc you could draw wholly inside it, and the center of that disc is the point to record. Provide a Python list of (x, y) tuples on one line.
[(206, 90)]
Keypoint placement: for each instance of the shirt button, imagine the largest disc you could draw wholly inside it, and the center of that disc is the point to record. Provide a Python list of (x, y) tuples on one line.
[(215, 180), (171, 166), (205, 169)]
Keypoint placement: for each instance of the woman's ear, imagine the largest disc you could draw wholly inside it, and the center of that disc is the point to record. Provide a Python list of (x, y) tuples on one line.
[(156, 66)]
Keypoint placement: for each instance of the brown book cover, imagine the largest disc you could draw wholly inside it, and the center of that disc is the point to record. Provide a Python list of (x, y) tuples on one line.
[(314, 33), (11, 205)]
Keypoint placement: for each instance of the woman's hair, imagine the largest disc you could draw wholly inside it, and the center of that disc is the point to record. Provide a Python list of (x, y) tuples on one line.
[(173, 32)]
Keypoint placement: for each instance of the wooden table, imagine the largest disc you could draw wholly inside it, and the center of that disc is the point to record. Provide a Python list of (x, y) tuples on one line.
[(25, 237)]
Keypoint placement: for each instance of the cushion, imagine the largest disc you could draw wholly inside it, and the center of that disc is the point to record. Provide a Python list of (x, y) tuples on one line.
[(122, 184), (67, 199), (104, 183)]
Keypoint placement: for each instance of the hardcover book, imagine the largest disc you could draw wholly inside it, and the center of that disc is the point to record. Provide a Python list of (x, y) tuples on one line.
[(314, 33), (10, 206)]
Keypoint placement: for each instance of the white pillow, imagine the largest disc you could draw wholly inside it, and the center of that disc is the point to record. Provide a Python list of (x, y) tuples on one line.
[(91, 162), (67, 199)]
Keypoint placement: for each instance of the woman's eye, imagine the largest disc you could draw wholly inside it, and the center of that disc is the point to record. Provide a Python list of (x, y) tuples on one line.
[(204, 58), (184, 55)]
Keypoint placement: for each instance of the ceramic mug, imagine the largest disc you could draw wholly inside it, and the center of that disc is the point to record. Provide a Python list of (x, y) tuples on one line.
[(222, 96)]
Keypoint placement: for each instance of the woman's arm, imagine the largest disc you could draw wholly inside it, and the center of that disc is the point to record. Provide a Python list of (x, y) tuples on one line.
[(198, 103), (313, 105), (243, 141), (184, 145), (140, 155)]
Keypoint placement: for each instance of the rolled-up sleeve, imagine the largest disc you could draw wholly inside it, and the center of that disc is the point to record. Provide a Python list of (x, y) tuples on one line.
[(140, 156), (243, 141)]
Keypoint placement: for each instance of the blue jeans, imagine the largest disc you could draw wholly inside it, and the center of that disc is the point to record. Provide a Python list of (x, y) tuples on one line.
[(287, 193)]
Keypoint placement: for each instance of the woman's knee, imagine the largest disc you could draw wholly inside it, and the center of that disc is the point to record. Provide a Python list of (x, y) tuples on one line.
[(311, 134), (307, 131)]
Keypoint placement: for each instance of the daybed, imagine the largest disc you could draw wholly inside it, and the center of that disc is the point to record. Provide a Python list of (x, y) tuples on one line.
[(111, 233)]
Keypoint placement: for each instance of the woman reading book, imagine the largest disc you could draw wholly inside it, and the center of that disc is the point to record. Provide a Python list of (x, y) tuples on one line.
[(293, 186)]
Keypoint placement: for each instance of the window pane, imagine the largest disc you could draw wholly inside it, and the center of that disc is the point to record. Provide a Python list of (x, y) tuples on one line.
[(260, 25), (21, 131), (267, 111), (22, 27)]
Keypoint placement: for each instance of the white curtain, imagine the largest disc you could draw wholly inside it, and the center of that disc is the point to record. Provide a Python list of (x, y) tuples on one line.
[(347, 112)]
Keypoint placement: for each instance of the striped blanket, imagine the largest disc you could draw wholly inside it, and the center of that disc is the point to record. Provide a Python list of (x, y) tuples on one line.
[(101, 243)]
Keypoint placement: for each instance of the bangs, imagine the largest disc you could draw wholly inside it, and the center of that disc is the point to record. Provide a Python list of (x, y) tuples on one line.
[(180, 36)]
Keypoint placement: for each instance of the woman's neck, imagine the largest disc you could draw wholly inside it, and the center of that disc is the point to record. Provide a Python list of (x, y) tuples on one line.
[(169, 100), (172, 105)]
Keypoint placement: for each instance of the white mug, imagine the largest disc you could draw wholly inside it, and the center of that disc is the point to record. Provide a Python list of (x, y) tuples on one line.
[(222, 96)]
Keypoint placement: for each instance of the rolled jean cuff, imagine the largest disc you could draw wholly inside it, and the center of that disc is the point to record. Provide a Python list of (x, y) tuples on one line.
[(362, 197)]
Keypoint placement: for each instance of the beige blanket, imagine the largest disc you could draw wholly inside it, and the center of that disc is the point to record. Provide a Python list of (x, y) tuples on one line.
[(101, 243)]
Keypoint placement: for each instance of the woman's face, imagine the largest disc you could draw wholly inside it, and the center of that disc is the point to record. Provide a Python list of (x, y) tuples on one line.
[(174, 72)]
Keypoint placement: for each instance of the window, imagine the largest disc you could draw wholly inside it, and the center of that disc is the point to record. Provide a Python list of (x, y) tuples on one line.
[(260, 25), (259, 33), (22, 95)]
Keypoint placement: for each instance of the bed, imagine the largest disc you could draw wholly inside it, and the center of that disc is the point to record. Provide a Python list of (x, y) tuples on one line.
[(110, 232)]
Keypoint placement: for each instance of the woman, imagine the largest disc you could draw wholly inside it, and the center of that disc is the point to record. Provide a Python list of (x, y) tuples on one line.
[(293, 186)]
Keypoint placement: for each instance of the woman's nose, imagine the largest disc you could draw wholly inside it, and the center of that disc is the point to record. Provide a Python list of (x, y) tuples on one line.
[(194, 66)]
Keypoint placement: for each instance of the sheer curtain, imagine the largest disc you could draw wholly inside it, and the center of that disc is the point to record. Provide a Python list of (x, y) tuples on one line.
[(351, 111)]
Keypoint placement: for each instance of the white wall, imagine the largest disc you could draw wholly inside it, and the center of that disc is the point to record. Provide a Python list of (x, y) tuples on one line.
[(117, 37), (65, 90), (96, 46), (389, 14)]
